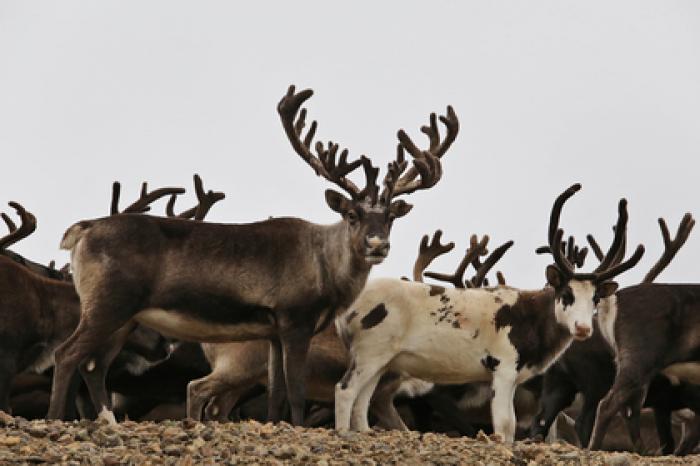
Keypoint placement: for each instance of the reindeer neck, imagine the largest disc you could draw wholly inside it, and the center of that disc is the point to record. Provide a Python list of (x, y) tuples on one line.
[(535, 333), (344, 271)]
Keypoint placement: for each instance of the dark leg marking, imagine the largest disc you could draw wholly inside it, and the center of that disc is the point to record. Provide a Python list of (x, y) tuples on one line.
[(490, 363), (455, 324), (374, 317), (346, 377), (436, 290)]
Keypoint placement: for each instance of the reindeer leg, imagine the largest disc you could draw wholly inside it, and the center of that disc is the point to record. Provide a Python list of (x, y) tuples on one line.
[(382, 406), (502, 410), (557, 394), (359, 420), (276, 388), (662, 419), (220, 389), (360, 373), (625, 387), (94, 370), (88, 337), (586, 419), (691, 438), (632, 416), (295, 347), (8, 370)]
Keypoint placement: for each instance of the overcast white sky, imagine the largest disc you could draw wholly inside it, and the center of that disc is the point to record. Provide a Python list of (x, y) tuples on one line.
[(548, 93)]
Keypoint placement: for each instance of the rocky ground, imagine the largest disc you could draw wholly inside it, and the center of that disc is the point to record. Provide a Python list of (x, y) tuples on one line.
[(188, 443)]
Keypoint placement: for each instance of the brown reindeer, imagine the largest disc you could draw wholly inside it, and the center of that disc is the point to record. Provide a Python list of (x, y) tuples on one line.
[(281, 279), (40, 311)]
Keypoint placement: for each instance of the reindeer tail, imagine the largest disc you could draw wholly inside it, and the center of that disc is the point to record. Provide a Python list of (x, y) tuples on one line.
[(73, 234)]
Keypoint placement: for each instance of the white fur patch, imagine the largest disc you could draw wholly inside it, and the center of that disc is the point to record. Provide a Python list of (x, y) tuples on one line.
[(45, 360), (476, 400), (107, 415), (607, 314), (412, 388), (688, 372), (90, 366), (184, 327)]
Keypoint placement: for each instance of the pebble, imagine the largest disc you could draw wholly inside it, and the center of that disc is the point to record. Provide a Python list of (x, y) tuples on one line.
[(187, 442)]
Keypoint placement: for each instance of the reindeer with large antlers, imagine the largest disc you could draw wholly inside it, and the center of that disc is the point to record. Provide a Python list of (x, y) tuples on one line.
[(652, 328), (588, 367), (502, 335), (282, 279)]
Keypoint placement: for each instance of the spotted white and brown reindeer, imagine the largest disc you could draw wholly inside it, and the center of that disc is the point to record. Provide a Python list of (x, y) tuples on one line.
[(282, 279), (238, 366), (502, 335)]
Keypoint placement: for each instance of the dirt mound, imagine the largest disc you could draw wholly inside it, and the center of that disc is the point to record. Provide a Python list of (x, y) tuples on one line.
[(188, 442)]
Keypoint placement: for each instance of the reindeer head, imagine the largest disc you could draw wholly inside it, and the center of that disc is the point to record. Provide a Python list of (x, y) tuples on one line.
[(367, 213), (577, 294)]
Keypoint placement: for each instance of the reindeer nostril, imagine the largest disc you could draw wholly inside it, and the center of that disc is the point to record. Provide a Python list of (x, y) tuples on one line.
[(582, 330)]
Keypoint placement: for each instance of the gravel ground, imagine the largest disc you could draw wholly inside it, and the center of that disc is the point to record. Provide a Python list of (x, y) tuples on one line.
[(188, 443)]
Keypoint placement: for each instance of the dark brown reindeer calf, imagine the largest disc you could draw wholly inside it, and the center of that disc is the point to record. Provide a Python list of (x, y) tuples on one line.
[(281, 279)]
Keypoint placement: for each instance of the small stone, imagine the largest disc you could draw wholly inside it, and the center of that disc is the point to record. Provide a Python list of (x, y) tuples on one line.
[(189, 423), (6, 419), (617, 459), (110, 460), (172, 450), (10, 441), (38, 432)]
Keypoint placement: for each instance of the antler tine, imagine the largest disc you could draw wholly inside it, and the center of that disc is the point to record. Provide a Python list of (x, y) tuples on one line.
[(8, 221), (570, 250), (622, 251), (556, 234), (671, 246), (170, 207), (206, 200), (143, 203), (457, 278), (580, 256), (501, 279), (618, 239), (25, 228), (427, 252), (599, 252), (622, 267), (116, 190), (478, 279), (427, 163), (473, 243), (324, 164), (595, 247)]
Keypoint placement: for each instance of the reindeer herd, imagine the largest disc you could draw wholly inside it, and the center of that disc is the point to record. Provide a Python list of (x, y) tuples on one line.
[(165, 308)]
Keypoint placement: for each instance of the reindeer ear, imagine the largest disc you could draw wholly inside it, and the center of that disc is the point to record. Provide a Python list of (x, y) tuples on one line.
[(554, 276), (606, 289), (399, 208), (338, 202)]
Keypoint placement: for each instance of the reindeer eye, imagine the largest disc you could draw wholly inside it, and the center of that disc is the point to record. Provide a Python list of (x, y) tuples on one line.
[(352, 217), (596, 299), (567, 298)]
